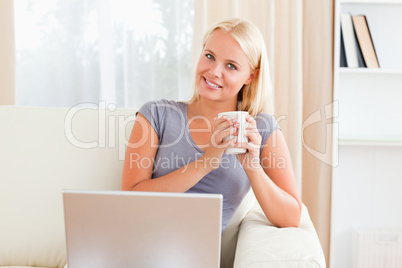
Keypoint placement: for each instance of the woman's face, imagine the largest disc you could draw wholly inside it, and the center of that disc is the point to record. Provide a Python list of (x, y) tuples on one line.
[(222, 69)]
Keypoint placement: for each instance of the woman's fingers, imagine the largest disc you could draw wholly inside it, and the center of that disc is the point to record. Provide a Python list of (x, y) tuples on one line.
[(223, 123), (252, 134), (224, 127), (218, 137), (251, 123)]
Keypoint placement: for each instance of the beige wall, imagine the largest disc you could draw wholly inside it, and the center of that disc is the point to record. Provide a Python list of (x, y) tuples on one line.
[(7, 53)]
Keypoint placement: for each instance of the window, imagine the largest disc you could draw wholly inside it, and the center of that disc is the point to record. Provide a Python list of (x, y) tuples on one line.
[(86, 51)]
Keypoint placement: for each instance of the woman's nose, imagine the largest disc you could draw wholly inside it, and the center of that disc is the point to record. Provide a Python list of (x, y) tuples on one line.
[(216, 70)]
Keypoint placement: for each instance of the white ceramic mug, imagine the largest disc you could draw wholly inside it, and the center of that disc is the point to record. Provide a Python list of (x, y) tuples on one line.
[(240, 116)]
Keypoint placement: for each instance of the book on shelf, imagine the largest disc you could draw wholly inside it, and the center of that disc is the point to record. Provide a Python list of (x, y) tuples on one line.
[(351, 55), (342, 59), (349, 40), (365, 41), (360, 58)]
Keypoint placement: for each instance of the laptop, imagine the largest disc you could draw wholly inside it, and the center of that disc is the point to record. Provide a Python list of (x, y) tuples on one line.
[(142, 229)]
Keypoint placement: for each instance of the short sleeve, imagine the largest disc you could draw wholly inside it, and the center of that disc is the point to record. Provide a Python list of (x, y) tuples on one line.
[(266, 125), (154, 114)]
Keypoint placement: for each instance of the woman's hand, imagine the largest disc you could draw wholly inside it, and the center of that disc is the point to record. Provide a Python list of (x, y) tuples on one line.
[(251, 159), (223, 127)]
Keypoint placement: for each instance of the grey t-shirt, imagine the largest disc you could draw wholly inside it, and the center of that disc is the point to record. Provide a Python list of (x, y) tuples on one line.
[(177, 149)]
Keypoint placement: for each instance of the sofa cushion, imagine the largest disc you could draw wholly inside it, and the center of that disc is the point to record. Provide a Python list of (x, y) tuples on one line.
[(43, 152), (229, 236), (261, 244), (22, 267)]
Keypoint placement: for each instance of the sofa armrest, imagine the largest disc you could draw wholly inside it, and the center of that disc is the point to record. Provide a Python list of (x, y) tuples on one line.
[(260, 244)]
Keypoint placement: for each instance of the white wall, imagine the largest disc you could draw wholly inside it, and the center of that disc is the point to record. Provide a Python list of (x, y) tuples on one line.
[(366, 192)]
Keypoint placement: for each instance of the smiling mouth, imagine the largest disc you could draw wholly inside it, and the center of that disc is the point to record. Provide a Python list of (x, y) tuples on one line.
[(211, 84)]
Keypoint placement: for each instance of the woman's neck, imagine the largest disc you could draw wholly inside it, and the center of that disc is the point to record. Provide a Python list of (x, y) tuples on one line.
[(209, 109)]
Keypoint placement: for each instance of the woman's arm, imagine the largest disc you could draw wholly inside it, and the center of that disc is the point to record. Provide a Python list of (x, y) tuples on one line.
[(140, 156), (272, 178)]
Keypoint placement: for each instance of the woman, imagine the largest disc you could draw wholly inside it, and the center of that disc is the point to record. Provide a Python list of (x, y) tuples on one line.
[(179, 147)]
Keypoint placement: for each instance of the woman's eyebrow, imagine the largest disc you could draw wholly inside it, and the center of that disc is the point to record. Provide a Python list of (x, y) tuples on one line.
[(229, 60), (210, 51)]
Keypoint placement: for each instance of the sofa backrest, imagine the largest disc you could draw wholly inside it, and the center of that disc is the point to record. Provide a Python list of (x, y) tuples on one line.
[(42, 152)]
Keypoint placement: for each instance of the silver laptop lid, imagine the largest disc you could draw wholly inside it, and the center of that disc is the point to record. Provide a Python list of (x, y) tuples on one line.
[(142, 229)]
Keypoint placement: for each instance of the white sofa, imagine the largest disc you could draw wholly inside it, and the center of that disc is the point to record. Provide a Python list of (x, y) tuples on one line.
[(45, 150)]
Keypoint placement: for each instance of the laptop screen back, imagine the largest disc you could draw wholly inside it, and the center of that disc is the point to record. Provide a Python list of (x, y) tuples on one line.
[(142, 229)]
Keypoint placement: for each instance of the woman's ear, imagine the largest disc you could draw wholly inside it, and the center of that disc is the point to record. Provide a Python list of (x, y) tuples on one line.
[(253, 75)]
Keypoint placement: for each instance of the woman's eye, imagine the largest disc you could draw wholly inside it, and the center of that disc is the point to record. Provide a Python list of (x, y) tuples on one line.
[(209, 56), (231, 66)]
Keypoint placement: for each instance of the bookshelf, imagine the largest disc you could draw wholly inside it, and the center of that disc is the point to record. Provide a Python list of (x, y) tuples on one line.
[(380, 71), (358, 89), (366, 183)]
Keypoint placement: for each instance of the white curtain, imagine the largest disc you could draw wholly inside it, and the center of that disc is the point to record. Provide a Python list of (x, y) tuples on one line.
[(86, 51)]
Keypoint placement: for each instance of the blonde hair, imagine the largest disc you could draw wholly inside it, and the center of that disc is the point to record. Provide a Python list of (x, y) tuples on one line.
[(257, 96)]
